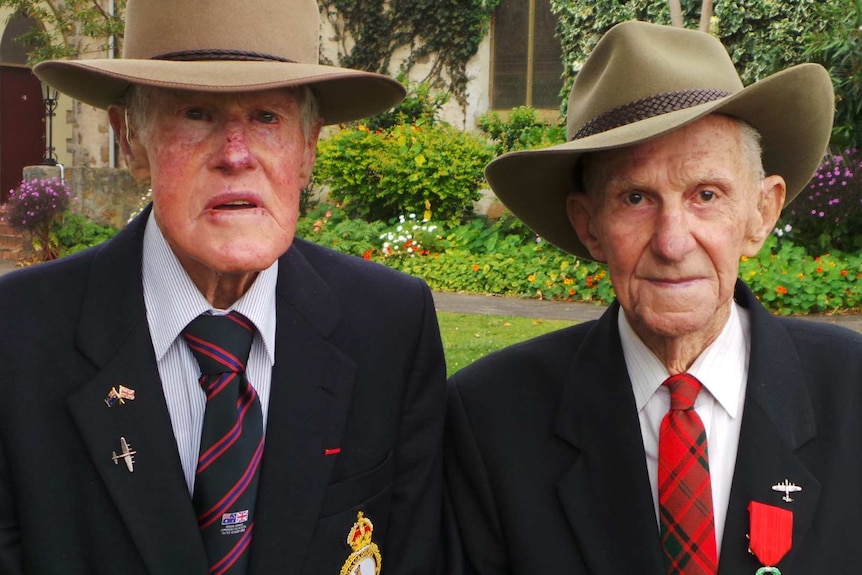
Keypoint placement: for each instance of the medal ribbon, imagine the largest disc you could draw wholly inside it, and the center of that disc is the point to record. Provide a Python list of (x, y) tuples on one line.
[(771, 532)]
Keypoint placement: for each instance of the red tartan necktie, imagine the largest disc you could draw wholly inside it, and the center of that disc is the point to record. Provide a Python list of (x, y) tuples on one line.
[(231, 440), (684, 490)]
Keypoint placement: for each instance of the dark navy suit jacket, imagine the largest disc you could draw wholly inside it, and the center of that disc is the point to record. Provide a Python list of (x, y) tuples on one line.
[(546, 470), (359, 367)]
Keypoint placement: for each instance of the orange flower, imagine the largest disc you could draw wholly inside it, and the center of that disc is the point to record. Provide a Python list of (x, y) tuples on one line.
[(367, 254), (819, 270), (475, 267), (781, 289), (843, 272), (571, 292)]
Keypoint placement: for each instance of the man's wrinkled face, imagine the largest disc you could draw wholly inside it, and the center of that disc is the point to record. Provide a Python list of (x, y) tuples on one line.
[(226, 173), (672, 217)]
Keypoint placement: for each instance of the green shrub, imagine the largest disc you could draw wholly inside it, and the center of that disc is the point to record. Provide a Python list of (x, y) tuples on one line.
[(495, 257), (420, 108), (76, 233), (379, 175), (522, 130), (788, 280), (332, 227)]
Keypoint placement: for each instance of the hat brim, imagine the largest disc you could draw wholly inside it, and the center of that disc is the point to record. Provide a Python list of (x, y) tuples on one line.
[(344, 94), (791, 109)]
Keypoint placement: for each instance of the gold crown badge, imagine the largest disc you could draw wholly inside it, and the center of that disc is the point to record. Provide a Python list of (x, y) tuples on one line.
[(365, 551)]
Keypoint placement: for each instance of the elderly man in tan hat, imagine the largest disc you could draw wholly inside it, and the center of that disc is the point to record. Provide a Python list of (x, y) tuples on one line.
[(133, 440), (687, 431)]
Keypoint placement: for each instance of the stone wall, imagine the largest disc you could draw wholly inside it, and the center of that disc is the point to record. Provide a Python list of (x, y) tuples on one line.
[(108, 196)]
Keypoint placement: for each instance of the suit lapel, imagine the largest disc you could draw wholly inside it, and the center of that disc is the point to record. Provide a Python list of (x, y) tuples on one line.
[(153, 500), (312, 384), (606, 493), (777, 420)]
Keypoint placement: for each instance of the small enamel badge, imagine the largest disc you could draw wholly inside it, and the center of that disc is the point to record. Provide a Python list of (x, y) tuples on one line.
[(787, 488), (126, 453), (120, 395), (365, 559)]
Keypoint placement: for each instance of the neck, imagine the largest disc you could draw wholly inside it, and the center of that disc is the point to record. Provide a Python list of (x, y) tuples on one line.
[(678, 352), (220, 289)]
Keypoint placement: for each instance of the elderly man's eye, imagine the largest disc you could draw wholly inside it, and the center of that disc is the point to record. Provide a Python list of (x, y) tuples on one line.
[(706, 196), (267, 118), (195, 113), (634, 199)]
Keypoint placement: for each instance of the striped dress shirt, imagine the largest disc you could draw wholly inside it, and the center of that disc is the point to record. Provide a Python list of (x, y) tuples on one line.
[(172, 301)]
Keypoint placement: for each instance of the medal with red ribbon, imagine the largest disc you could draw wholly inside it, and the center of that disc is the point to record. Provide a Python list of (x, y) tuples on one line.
[(771, 535)]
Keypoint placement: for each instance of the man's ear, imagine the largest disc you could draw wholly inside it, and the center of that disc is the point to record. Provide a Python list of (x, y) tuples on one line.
[(579, 207), (310, 153), (133, 152), (767, 211)]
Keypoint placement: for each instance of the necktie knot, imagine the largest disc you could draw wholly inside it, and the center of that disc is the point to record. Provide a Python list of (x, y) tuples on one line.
[(220, 343), (683, 391)]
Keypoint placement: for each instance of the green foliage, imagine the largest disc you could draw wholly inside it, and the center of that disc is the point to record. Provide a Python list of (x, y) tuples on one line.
[(61, 19), (790, 281), (836, 42), (76, 233), (419, 108), (332, 227), (762, 37), (521, 131), (493, 257), (446, 31), (378, 175)]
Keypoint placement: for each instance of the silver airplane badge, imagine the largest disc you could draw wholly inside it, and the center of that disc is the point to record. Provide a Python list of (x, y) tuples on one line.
[(126, 453), (787, 488)]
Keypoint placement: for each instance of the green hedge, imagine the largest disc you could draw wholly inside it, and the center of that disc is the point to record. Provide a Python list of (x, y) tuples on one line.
[(499, 257)]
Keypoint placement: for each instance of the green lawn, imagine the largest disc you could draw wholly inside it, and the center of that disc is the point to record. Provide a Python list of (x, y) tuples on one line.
[(467, 337)]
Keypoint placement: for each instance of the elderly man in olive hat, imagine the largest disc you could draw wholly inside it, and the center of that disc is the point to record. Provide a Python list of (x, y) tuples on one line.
[(206, 393), (687, 431)]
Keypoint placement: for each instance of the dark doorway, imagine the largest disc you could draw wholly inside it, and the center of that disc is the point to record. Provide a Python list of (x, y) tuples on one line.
[(22, 125), (22, 113)]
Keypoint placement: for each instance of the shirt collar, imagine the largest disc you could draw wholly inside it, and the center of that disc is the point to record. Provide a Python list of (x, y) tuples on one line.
[(723, 379), (172, 299)]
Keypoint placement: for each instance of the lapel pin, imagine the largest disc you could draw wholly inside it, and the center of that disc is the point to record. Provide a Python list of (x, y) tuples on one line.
[(365, 559), (787, 488), (126, 453), (119, 395)]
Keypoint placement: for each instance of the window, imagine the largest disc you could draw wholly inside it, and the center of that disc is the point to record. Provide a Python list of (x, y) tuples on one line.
[(526, 66)]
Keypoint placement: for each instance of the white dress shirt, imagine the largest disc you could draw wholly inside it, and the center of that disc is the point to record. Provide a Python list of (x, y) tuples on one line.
[(722, 368), (172, 301)]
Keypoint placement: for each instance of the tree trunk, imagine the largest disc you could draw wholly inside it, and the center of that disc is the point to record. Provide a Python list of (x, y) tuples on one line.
[(676, 13), (705, 15)]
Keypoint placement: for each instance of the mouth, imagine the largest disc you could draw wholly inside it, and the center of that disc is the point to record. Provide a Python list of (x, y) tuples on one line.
[(234, 202), (235, 205)]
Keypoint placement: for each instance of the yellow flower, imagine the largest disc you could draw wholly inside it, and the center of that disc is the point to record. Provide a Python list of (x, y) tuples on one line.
[(531, 278)]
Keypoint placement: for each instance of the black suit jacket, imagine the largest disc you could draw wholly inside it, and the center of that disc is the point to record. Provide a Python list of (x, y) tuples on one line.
[(359, 367), (546, 469)]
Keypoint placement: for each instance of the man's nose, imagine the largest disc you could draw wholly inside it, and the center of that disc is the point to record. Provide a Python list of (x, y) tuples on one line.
[(672, 236), (235, 152)]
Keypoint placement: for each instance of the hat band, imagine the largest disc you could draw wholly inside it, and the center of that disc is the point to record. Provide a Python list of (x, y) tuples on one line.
[(647, 108), (197, 55)]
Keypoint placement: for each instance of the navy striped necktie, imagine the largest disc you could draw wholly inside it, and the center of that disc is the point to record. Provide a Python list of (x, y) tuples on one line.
[(231, 440)]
